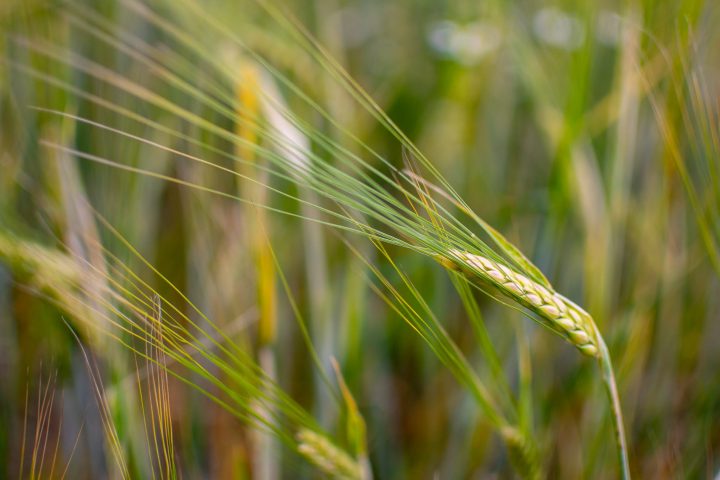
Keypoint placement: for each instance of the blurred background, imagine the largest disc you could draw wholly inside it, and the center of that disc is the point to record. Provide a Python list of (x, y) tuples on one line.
[(585, 131)]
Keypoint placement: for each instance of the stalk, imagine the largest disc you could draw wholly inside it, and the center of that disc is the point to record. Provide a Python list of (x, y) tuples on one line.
[(264, 452), (617, 417)]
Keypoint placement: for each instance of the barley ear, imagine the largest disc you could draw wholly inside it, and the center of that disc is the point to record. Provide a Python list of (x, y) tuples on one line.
[(554, 310), (47, 268), (328, 458), (523, 455)]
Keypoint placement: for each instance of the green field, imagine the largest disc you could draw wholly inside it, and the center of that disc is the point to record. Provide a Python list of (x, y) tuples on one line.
[(357, 239)]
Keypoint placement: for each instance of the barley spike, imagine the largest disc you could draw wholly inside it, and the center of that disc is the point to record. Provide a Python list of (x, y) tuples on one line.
[(328, 458), (559, 313)]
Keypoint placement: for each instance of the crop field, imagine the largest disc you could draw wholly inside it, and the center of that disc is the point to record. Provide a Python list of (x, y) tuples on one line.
[(359, 239)]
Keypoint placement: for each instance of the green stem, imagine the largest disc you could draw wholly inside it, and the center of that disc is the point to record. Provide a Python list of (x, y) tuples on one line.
[(612, 391)]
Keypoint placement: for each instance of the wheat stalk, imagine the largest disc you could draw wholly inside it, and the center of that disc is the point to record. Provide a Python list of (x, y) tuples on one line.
[(557, 312)]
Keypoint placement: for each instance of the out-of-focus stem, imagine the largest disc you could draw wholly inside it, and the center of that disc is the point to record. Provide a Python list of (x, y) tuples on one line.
[(264, 451)]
